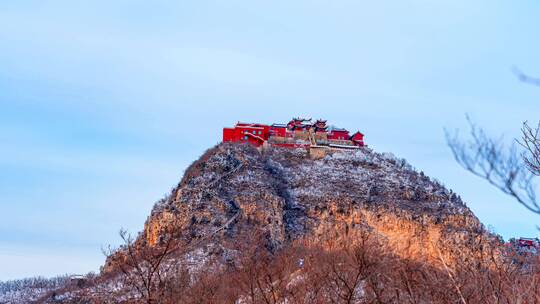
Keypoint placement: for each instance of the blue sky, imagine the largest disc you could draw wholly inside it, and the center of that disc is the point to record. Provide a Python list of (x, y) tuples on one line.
[(105, 103)]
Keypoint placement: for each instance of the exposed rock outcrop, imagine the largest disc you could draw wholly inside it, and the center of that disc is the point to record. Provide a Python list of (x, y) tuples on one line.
[(286, 194)]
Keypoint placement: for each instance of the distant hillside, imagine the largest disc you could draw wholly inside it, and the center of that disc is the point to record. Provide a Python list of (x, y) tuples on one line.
[(29, 290)]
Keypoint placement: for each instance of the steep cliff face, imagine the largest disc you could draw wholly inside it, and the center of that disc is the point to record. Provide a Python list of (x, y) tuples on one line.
[(288, 195)]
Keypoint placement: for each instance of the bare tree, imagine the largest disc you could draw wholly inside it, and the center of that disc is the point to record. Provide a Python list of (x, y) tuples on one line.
[(505, 167), (145, 269), (361, 270)]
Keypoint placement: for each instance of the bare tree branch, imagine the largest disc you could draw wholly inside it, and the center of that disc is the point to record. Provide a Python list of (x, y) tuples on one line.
[(526, 78), (530, 140), (143, 267), (503, 167)]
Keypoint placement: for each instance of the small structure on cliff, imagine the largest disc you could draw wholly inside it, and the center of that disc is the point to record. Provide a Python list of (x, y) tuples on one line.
[(530, 245), (524, 245), (297, 133)]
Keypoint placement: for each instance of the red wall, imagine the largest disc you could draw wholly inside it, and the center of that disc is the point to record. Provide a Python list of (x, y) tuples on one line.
[(358, 136), (339, 135), (278, 131), (358, 139), (251, 133), (229, 134)]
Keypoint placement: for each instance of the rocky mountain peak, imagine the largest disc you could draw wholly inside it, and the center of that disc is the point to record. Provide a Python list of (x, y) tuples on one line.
[(285, 193)]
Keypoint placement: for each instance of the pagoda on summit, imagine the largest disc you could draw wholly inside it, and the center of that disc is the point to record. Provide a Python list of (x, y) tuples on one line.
[(299, 124), (320, 126)]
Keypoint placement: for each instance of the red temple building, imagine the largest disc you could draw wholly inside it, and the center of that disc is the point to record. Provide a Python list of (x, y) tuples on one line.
[(528, 242), (297, 133)]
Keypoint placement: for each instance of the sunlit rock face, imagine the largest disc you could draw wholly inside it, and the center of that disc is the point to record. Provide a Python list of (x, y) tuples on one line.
[(288, 195)]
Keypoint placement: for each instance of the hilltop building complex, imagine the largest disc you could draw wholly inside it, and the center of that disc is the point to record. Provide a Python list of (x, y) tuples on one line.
[(297, 133)]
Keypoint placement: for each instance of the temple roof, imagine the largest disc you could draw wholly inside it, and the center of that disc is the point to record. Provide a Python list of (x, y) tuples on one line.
[(334, 128)]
